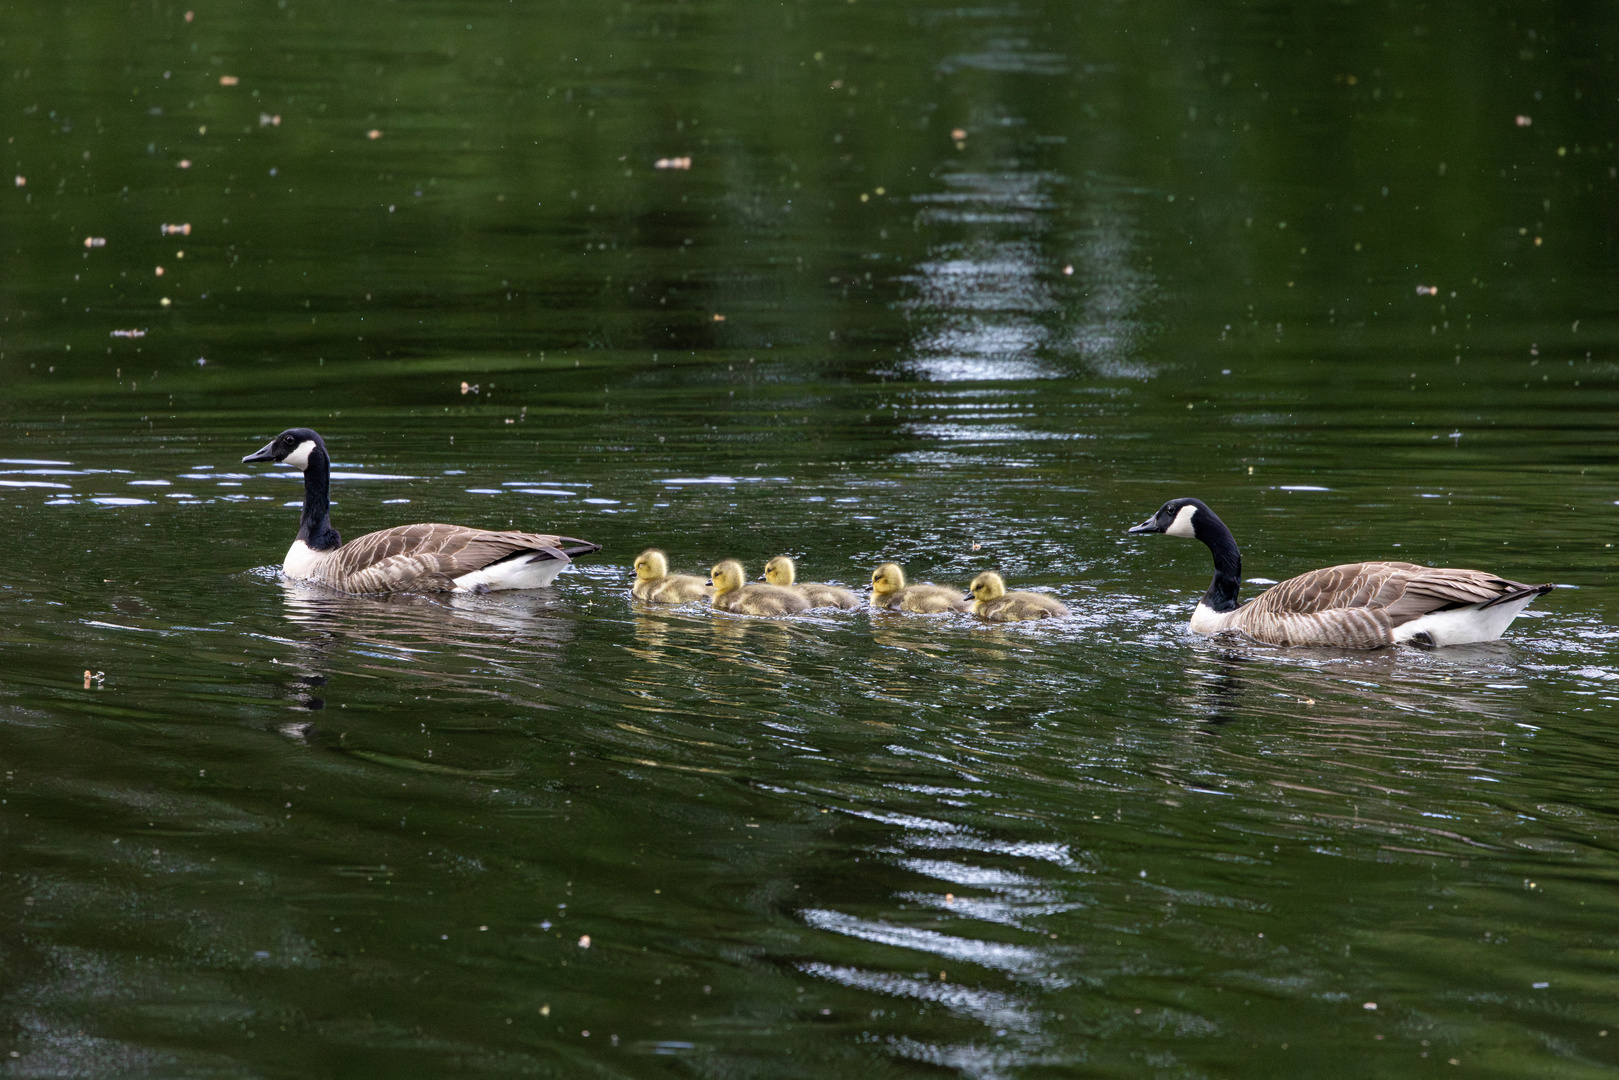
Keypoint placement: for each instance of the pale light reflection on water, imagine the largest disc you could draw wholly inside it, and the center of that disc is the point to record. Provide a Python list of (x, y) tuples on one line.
[(965, 288)]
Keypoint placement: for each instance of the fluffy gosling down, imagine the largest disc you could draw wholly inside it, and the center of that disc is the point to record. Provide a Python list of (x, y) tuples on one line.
[(656, 585), (781, 572), (890, 593), (733, 594), (992, 603), (1355, 606)]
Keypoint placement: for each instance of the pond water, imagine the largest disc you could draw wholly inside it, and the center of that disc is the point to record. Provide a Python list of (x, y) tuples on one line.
[(962, 287)]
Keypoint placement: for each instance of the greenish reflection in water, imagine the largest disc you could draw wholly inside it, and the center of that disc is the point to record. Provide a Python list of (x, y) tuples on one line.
[(962, 287)]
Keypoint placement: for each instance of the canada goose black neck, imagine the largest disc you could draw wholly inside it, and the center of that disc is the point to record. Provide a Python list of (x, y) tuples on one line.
[(315, 527), (1207, 527)]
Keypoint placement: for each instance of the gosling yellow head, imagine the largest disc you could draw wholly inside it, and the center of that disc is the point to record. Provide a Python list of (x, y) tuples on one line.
[(727, 576), (986, 586), (887, 578), (781, 571), (651, 565)]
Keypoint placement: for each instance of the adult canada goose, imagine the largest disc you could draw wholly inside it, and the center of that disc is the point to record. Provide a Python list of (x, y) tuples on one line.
[(731, 593), (1354, 606), (889, 592), (782, 572), (992, 603), (411, 558), (656, 585)]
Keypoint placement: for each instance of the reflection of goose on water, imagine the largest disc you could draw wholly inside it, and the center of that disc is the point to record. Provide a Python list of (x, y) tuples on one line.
[(733, 595), (1354, 606), (410, 558), (783, 572), (889, 592), (992, 603), (410, 622), (656, 585)]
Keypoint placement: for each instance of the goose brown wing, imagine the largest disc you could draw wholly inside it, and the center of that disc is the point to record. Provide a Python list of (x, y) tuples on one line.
[(1352, 585), (448, 550), (1437, 588)]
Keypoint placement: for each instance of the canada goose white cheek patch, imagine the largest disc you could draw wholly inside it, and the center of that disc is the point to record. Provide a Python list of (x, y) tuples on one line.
[(299, 458), (1182, 525)]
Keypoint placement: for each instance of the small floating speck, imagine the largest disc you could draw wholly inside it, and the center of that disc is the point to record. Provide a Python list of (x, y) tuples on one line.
[(672, 163), (229, 80), (1540, 985)]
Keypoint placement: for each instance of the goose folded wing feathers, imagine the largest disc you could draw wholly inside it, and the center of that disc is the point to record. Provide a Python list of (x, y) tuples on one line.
[(447, 550), (1435, 589), (1351, 585)]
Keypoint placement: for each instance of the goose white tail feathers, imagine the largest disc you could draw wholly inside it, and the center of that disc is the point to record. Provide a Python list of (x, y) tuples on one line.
[(427, 557), (1355, 606)]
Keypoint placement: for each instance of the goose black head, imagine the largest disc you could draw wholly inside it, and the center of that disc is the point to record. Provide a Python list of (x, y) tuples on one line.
[(1177, 517), (291, 447)]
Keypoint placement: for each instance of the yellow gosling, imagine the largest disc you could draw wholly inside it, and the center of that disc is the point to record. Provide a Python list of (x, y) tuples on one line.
[(781, 572), (731, 593), (656, 585), (890, 593), (992, 603)]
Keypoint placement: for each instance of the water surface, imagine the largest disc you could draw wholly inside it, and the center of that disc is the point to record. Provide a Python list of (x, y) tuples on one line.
[(965, 288)]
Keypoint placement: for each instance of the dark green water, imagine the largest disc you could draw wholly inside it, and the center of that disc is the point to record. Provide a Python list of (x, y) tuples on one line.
[(965, 287)]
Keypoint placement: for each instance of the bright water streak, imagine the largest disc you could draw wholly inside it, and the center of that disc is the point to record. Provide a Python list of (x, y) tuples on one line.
[(254, 828)]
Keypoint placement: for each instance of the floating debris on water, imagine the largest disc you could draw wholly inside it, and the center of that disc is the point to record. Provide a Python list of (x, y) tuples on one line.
[(374, 133), (22, 181), (1427, 290), (95, 241), (183, 229), (1523, 121), (229, 80), (269, 120), (128, 333), (185, 163), (672, 163)]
